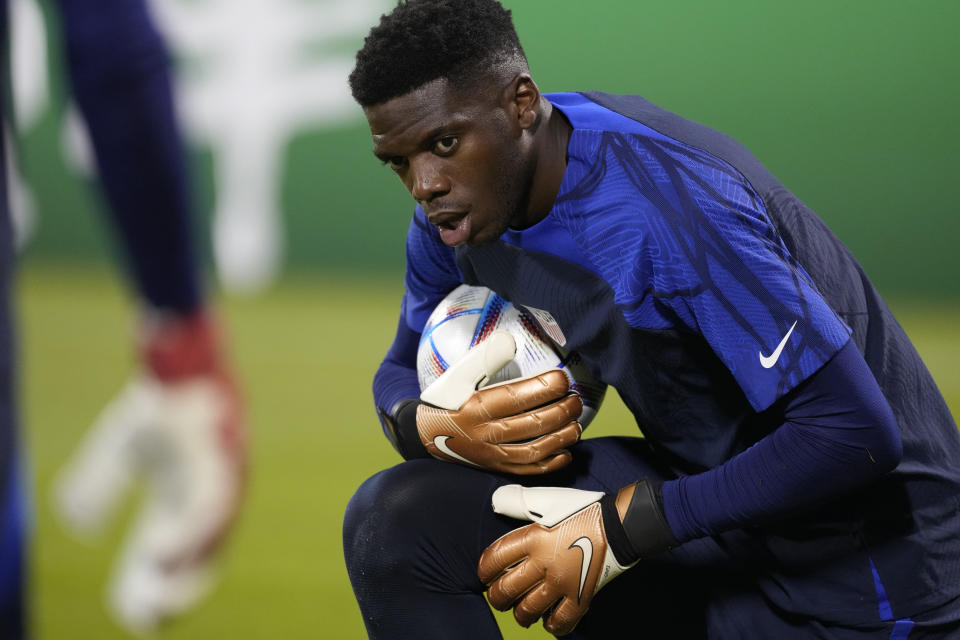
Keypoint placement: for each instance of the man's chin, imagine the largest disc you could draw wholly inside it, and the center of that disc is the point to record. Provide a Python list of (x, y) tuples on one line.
[(482, 241), (488, 235), (473, 235)]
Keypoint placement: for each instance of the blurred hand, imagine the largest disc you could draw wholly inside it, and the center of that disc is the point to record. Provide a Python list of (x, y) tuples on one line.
[(178, 425), (523, 426)]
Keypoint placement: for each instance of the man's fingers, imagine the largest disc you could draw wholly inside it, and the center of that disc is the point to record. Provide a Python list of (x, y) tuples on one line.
[(532, 458), (543, 455), (218, 503), (564, 618), (544, 446), (104, 466), (517, 396), (513, 584), (492, 456), (534, 604), (533, 423), (555, 462), (505, 552), (143, 595), (536, 417), (209, 542)]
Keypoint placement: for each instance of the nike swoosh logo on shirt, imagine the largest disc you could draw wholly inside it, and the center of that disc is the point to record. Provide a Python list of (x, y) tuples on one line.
[(586, 548), (440, 442), (768, 361)]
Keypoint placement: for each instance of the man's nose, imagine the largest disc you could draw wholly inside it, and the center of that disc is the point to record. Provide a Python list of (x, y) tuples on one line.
[(427, 183)]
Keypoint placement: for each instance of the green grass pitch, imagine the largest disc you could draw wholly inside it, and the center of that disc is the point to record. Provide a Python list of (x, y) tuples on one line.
[(306, 353)]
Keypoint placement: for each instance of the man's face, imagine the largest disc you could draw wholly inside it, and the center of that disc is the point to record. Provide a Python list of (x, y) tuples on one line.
[(460, 158)]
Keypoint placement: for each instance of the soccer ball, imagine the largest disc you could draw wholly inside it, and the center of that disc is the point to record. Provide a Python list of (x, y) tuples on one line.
[(469, 314)]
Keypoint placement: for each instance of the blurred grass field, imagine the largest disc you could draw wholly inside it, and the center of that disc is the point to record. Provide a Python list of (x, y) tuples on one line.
[(306, 353)]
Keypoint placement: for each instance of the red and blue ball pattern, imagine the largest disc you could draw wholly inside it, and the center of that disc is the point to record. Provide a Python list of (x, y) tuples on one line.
[(469, 314)]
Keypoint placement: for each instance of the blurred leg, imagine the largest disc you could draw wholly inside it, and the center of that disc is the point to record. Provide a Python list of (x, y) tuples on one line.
[(119, 73), (12, 549), (12, 503)]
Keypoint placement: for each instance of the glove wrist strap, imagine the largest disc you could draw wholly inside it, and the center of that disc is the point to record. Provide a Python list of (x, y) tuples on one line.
[(644, 521), (635, 524), (177, 347), (616, 535), (400, 426)]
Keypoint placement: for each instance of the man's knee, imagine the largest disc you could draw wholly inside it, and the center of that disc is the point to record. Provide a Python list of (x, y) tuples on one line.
[(388, 510), (398, 515)]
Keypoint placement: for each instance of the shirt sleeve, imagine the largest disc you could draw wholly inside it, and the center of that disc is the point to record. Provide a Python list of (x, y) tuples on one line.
[(710, 261), (431, 274), (839, 433)]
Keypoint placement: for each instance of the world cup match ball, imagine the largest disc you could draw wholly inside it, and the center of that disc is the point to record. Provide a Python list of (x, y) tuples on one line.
[(469, 314)]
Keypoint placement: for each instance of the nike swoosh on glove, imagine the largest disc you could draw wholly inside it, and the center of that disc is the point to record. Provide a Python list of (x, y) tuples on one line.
[(178, 425), (522, 426), (577, 543)]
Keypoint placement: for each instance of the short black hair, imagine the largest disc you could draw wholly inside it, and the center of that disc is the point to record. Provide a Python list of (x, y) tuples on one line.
[(423, 40)]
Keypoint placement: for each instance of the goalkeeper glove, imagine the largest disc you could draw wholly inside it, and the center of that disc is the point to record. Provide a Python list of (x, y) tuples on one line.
[(179, 425), (578, 542), (522, 426)]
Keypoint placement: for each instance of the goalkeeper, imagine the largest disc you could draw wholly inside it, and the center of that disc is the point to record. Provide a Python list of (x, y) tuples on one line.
[(178, 423), (798, 477)]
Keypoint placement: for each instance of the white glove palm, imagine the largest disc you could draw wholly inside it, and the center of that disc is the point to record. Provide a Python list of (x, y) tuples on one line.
[(185, 439)]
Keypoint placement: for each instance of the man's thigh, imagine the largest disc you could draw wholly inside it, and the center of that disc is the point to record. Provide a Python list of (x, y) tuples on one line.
[(418, 529)]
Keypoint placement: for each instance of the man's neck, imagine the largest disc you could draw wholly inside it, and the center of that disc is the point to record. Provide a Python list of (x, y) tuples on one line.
[(551, 163)]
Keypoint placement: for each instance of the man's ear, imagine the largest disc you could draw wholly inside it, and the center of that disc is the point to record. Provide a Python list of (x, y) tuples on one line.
[(523, 101)]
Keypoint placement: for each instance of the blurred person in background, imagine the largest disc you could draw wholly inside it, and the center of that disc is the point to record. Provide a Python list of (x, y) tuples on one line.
[(179, 422)]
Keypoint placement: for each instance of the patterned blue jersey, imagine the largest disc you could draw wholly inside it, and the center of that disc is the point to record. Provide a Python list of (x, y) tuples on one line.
[(681, 244), (692, 281)]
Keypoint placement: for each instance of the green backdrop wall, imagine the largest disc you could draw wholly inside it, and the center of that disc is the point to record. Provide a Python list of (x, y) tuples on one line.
[(853, 105)]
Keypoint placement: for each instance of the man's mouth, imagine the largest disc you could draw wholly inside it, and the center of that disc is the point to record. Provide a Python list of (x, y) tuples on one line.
[(454, 226), (445, 218)]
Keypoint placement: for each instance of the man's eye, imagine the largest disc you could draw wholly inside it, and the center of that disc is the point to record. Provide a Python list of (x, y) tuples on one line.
[(446, 145), (395, 162)]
